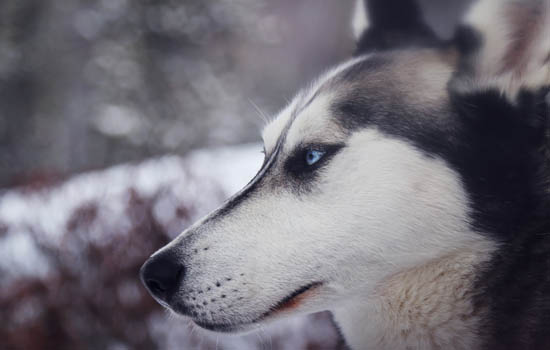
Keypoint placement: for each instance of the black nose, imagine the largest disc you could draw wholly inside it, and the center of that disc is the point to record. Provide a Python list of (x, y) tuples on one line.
[(162, 274)]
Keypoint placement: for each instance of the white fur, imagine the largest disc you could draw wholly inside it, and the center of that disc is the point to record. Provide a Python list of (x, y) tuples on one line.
[(425, 307), (360, 21)]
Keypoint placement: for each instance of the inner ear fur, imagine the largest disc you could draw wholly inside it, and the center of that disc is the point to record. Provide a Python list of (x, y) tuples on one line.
[(504, 45)]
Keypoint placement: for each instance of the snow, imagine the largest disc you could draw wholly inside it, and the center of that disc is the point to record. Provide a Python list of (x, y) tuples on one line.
[(203, 178), (228, 168)]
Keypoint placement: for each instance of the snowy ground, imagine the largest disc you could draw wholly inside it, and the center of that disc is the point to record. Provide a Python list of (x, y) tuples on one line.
[(204, 179)]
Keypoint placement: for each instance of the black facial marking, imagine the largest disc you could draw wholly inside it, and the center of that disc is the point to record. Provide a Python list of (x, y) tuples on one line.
[(356, 72)]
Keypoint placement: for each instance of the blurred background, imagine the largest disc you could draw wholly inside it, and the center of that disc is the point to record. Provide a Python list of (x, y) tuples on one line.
[(123, 121)]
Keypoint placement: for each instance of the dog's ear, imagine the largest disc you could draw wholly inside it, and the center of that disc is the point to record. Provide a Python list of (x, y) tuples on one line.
[(389, 24), (504, 45)]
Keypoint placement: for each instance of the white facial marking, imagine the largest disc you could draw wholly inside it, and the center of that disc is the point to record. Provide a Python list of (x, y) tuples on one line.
[(313, 125)]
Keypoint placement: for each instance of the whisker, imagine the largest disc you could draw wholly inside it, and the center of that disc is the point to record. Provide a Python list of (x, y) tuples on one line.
[(262, 329), (263, 116), (193, 329), (259, 335)]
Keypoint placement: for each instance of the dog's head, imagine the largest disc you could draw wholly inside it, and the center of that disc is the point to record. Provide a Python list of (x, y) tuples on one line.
[(389, 160)]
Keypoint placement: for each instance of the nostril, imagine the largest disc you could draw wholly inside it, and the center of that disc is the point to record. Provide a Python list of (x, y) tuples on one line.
[(162, 274), (155, 286)]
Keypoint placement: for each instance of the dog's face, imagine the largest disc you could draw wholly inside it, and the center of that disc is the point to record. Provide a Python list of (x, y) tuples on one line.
[(375, 168), (338, 205)]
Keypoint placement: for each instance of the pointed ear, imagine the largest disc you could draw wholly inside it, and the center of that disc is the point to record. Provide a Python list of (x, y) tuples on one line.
[(504, 45), (390, 24)]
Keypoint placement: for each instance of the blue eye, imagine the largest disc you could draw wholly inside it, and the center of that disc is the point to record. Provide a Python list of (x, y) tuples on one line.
[(313, 156)]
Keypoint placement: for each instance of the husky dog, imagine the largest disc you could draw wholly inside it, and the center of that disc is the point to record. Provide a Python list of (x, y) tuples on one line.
[(407, 191)]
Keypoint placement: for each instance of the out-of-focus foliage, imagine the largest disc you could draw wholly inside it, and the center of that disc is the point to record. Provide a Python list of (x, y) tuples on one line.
[(93, 300), (86, 84)]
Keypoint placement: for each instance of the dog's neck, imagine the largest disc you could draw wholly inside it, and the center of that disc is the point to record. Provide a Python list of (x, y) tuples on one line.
[(426, 307)]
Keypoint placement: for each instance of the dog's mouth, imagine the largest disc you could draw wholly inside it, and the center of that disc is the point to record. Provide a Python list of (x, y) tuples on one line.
[(293, 300), (286, 305)]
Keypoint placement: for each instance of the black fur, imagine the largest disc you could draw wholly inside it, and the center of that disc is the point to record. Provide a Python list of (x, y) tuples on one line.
[(468, 42), (394, 24), (515, 289), (515, 284), (501, 162)]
